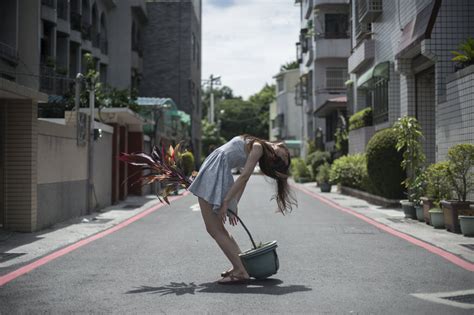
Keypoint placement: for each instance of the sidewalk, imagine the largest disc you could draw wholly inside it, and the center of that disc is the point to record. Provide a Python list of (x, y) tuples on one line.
[(20, 248), (456, 244)]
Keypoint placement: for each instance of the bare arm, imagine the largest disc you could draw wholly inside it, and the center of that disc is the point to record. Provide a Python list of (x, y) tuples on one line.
[(239, 185)]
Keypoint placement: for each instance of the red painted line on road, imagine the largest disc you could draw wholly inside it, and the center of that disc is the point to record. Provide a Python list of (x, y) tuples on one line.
[(46, 259), (431, 248)]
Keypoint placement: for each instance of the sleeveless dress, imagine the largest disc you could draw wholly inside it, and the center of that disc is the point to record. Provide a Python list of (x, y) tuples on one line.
[(215, 178)]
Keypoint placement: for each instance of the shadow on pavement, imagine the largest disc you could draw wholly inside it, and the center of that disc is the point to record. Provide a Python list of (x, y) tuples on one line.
[(266, 286)]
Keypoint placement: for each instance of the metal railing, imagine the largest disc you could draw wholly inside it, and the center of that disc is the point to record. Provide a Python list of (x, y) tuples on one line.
[(53, 83), (76, 21), (336, 35), (368, 9), (9, 53)]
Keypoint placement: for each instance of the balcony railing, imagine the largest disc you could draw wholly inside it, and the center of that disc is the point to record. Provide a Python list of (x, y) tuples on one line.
[(368, 10), (96, 40), (53, 83), (62, 9), (86, 31), (49, 3), (8, 53), (335, 35), (75, 21)]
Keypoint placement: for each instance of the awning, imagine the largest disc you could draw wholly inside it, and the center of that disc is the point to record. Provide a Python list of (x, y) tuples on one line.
[(331, 105), (348, 82), (381, 70), (157, 101), (418, 29), (292, 144)]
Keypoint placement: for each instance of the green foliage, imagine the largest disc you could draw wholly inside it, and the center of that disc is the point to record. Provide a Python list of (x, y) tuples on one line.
[(299, 169), (460, 169), (350, 171), (220, 93), (187, 160), (341, 138), (324, 172), (437, 187), (210, 138), (310, 146), (466, 56), (383, 164), (409, 135), (418, 188), (315, 159), (289, 66), (361, 119)]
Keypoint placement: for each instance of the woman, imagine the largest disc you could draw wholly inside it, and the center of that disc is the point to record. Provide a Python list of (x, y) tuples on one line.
[(217, 191)]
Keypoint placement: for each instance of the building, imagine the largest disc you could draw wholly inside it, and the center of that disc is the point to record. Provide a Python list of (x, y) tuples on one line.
[(42, 48), (172, 54), (401, 65), (322, 50), (287, 124)]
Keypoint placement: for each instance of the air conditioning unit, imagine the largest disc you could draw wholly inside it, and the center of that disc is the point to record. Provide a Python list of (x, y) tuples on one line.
[(368, 10)]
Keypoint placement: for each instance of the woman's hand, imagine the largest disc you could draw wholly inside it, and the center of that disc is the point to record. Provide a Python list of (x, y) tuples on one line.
[(233, 219), (223, 211)]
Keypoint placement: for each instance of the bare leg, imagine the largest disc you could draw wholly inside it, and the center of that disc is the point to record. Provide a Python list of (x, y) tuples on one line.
[(226, 242)]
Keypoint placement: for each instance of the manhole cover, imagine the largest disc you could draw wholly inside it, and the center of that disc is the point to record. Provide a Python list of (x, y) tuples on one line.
[(467, 298), (131, 206), (468, 246), (7, 256)]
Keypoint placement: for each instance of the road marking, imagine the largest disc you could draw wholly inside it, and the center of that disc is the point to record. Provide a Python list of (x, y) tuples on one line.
[(46, 259), (448, 298), (195, 207), (433, 249)]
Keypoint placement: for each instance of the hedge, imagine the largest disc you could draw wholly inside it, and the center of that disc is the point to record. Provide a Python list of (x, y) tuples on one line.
[(315, 160), (361, 119), (350, 171)]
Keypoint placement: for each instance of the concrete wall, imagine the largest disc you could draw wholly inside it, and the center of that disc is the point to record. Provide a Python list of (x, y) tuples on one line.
[(62, 173)]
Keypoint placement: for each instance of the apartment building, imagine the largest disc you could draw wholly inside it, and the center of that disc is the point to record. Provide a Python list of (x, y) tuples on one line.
[(322, 50), (287, 123), (401, 65), (42, 48), (173, 58)]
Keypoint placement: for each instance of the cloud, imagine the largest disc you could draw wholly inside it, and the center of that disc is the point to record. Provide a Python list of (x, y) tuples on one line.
[(247, 43), (222, 3)]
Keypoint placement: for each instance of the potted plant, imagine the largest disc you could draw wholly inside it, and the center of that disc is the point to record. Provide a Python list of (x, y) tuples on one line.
[(437, 217), (467, 223), (437, 187), (300, 171), (323, 177), (461, 178), (409, 142), (466, 56), (417, 191)]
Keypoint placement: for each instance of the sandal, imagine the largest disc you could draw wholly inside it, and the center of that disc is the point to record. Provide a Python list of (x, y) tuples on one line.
[(226, 273), (234, 280)]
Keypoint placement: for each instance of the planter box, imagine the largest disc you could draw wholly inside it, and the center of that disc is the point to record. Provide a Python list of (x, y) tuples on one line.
[(325, 187), (452, 210), (373, 199), (427, 205), (467, 225), (437, 220)]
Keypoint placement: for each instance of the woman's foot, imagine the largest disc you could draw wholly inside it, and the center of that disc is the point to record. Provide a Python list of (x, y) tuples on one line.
[(235, 278), (227, 273)]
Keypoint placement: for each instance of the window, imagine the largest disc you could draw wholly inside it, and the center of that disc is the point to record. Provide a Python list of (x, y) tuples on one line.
[(331, 125), (280, 85), (193, 45), (380, 100), (335, 78), (336, 26)]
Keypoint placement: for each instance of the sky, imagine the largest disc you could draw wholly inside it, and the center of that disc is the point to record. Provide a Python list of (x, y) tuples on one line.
[(246, 41)]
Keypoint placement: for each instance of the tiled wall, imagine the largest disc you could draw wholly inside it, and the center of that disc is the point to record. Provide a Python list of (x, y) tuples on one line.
[(425, 111)]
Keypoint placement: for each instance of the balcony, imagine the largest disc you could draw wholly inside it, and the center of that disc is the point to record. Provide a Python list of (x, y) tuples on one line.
[(96, 40), (62, 10), (75, 21), (318, 3), (368, 10), (86, 31), (332, 48), (53, 83), (363, 31), (9, 54), (362, 54)]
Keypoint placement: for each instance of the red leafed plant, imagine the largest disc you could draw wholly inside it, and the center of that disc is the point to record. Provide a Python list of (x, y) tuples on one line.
[(163, 167)]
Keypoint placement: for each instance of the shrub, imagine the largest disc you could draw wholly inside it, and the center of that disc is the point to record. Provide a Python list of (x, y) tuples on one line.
[(187, 160), (437, 187), (350, 171), (460, 169), (299, 169), (384, 164), (324, 174), (361, 119), (315, 160)]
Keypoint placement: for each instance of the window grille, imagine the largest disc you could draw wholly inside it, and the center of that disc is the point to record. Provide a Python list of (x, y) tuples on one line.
[(335, 78)]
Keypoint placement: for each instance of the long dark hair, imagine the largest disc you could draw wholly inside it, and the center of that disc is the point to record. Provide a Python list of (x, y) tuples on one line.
[(277, 168)]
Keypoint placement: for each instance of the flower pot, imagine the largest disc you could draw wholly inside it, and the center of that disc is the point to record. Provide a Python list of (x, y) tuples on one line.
[(325, 187), (467, 225), (437, 218), (261, 262), (427, 205), (408, 209), (452, 209), (419, 213)]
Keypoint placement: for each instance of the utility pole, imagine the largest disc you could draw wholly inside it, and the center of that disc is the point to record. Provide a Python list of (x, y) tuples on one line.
[(212, 81)]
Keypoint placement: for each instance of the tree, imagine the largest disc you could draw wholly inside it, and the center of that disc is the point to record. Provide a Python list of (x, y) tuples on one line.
[(289, 66), (262, 101), (210, 138), (223, 93)]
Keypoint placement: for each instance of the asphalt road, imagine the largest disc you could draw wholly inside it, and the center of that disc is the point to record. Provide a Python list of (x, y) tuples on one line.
[(330, 263)]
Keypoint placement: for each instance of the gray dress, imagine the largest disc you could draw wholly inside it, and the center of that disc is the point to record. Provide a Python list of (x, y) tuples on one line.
[(215, 177)]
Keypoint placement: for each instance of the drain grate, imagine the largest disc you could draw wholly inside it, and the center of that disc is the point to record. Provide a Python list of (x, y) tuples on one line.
[(466, 298), (131, 206), (94, 220), (7, 256), (468, 246)]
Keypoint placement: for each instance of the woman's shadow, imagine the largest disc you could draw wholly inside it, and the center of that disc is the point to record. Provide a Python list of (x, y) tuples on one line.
[(266, 286)]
